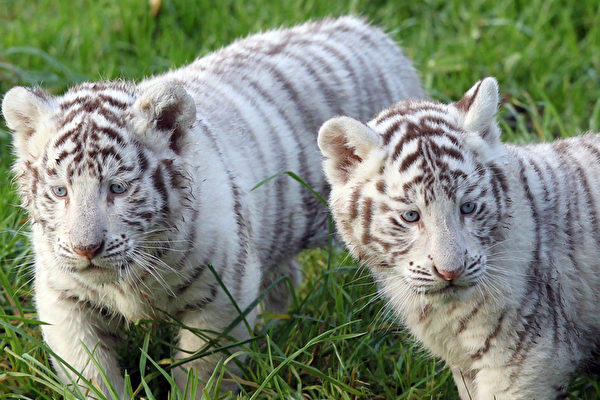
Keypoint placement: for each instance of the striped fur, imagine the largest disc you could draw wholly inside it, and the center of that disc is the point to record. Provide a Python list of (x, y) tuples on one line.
[(133, 189), (489, 252)]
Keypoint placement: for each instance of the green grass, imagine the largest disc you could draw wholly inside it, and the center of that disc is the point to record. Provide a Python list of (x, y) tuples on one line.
[(334, 342)]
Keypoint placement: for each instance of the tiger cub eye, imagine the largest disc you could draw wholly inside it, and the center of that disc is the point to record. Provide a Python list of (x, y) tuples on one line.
[(59, 191), (468, 208), (117, 188), (410, 216)]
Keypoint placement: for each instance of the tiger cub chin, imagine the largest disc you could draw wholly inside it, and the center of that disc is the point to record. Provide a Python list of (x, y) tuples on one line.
[(489, 252), (133, 189)]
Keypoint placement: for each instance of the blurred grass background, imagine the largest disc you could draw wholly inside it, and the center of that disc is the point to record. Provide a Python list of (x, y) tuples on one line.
[(545, 54)]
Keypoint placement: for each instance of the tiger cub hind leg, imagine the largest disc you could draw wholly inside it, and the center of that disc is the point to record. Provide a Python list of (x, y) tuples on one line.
[(279, 296)]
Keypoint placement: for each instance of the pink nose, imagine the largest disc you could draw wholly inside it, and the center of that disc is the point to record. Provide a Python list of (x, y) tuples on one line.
[(448, 275), (88, 251)]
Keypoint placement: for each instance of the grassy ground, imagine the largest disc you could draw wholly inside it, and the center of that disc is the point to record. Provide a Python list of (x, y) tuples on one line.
[(334, 343)]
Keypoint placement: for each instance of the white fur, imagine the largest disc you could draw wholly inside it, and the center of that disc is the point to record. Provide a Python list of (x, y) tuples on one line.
[(188, 146), (28, 113), (498, 333)]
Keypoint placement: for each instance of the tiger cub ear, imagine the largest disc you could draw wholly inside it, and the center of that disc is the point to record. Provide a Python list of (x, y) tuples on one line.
[(345, 143), (479, 107), (165, 107), (28, 113)]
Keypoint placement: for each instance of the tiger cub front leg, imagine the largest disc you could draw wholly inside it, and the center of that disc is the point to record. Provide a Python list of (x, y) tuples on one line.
[(210, 323), (72, 326), (211, 320), (530, 383), (464, 383)]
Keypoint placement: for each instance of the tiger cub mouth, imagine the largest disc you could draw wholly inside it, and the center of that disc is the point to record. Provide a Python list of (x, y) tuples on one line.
[(449, 288)]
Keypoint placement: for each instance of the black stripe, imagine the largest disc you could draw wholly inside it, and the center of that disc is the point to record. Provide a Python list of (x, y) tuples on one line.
[(180, 289), (243, 226), (410, 159), (159, 186), (243, 234), (310, 203), (207, 86), (411, 107), (529, 325), (354, 203), (550, 210), (67, 134), (109, 132), (563, 148), (414, 131), (367, 216), (195, 305), (371, 44), (276, 250), (488, 340)]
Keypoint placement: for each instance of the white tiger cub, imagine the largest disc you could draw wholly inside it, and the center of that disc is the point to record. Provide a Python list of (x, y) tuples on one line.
[(133, 189), (488, 251)]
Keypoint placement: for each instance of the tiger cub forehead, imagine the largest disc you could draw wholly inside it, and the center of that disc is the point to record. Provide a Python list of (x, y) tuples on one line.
[(100, 108), (92, 124), (416, 151), (425, 155), (99, 129)]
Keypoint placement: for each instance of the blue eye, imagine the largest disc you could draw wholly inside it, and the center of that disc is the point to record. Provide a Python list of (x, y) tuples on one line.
[(410, 216), (59, 191), (117, 188), (468, 208)]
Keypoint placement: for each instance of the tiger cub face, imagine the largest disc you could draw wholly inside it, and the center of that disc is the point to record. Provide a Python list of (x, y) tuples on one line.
[(92, 170), (415, 193)]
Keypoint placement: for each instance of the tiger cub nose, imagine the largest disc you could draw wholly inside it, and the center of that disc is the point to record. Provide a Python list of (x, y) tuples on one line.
[(88, 251), (448, 274)]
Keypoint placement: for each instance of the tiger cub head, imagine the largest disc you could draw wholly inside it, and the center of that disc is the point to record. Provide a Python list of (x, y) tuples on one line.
[(96, 171), (416, 195)]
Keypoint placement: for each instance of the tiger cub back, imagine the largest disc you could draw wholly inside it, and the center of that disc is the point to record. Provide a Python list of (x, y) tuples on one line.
[(488, 251), (135, 189)]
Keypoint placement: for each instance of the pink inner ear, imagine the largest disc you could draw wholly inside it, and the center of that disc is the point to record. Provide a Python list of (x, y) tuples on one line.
[(351, 156), (466, 102), (22, 107), (167, 121), (168, 118), (348, 159), (27, 128)]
